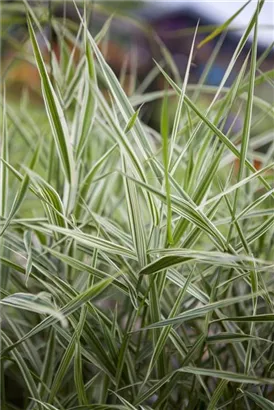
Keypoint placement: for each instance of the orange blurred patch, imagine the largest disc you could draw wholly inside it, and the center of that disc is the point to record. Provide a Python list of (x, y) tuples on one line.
[(256, 164), (24, 73)]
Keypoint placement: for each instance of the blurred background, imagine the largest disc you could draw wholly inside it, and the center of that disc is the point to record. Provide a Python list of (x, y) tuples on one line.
[(139, 32)]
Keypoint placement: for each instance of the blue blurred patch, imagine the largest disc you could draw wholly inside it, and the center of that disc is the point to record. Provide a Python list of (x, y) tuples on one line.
[(215, 75)]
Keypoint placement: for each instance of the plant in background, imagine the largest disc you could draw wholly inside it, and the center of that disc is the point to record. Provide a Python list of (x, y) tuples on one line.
[(136, 265)]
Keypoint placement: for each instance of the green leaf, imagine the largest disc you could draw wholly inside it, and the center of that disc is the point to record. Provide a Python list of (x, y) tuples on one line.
[(222, 28), (55, 113), (51, 200), (20, 196), (229, 376), (227, 337), (267, 317), (262, 402), (5, 155), (217, 394), (174, 257), (132, 120), (90, 240), (127, 405), (223, 138), (40, 303), (135, 219), (26, 374), (28, 245), (46, 406), (67, 310), (165, 135), (87, 107), (78, 374), (201, 311)]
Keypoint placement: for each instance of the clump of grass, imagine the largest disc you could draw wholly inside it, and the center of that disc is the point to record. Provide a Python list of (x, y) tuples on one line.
[(136, 265)]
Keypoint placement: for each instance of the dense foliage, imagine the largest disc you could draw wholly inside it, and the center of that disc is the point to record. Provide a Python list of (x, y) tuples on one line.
[(136, 263)]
